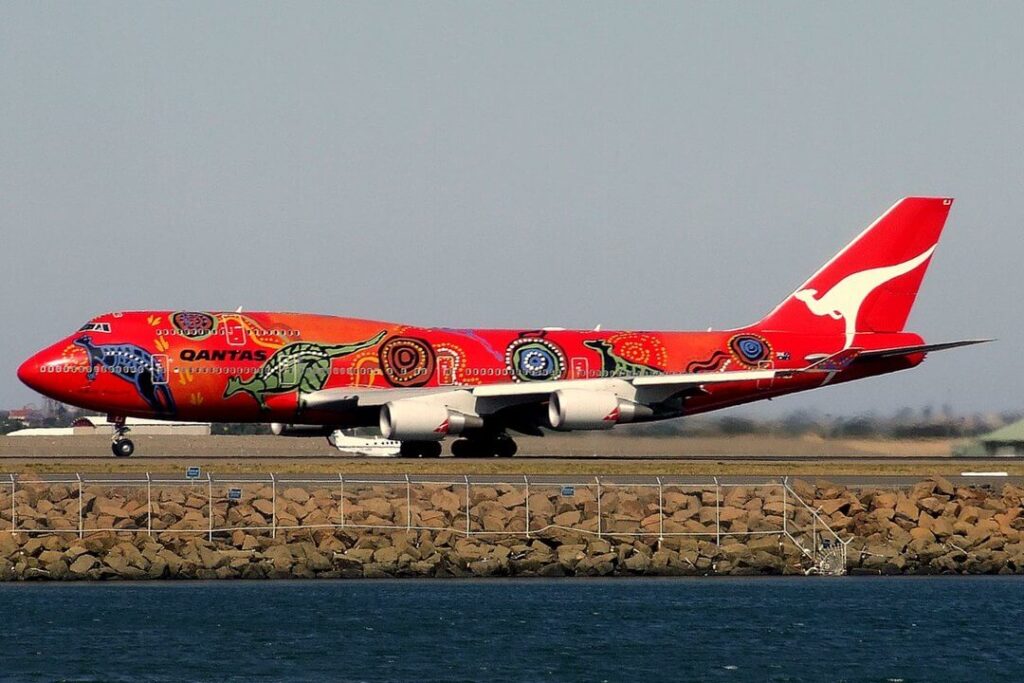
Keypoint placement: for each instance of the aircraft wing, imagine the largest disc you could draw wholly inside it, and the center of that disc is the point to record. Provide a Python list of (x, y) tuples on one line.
[(487, 398)]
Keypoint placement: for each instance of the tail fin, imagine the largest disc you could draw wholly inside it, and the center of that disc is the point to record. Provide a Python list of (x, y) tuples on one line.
[(871, 284)]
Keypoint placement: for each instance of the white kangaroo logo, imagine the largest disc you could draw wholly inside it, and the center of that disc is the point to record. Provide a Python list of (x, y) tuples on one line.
[(844, 300)]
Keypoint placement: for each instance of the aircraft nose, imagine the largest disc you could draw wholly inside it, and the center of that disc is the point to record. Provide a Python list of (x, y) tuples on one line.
[(40, 372), (30, 373)]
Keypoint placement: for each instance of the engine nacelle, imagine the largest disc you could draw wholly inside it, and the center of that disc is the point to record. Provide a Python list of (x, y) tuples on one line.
[(419, 421), (582, 409), (279, 429)]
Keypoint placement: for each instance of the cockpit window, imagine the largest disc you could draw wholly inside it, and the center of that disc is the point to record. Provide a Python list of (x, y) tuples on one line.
[(95, 327)]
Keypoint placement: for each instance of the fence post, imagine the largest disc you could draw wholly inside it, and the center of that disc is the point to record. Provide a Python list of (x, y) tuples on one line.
[(209, 504), (599, 523), (785, 505), (81, 530), (814, 534), (341, 478), (14, 511), (149, 504), (466, 477), (408, 504), (273, 502), (526, 480), (661, 512), (718, 513)]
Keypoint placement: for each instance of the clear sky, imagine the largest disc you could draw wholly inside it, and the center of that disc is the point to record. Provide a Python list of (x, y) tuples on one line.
[(639, 165)]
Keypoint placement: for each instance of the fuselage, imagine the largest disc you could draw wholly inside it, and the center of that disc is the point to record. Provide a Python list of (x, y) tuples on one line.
[(255, 367)]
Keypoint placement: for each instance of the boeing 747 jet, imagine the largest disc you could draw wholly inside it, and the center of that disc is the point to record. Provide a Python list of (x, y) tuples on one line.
[(315, 374)]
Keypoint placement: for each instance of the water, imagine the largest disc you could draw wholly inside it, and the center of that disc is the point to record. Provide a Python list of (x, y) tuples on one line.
[(844, 629)]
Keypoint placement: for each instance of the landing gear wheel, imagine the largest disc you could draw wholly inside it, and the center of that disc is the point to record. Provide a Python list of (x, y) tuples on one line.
[(121, 445), (501, 447), (505, 448), (462, 448), (420, 449), (123, 448)]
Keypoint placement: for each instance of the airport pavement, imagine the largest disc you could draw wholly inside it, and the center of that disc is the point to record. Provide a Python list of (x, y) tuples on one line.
[(847, 470)]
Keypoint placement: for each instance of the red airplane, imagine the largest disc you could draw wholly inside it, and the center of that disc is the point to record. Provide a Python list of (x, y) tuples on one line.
[(313, 374)]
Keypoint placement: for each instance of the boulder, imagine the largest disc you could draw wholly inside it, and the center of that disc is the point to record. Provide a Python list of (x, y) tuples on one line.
[(943, 486), (729, 513), (295, 494), (907, 509), (637, 563), (764, 543), (512, 499), (110, 507), (571, 554), (83, 564), (58, 569), (597, 565), (486, 567), (377, 506), (933, 505), (264, 507), (569, 519), (942, 527), (883, 500), (831, 506), (447, 501)]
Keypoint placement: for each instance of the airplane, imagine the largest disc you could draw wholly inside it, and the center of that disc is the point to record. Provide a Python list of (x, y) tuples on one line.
[(357, 442), (312, 375)]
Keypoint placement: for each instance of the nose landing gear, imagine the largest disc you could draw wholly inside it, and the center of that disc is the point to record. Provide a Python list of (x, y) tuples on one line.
[(121, 445)]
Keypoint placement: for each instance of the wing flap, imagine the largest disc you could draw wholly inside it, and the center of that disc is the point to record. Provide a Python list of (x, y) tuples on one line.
[(699, 378)]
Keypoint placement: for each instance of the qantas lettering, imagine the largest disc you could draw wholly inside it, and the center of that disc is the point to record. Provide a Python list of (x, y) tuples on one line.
[(223, 355)]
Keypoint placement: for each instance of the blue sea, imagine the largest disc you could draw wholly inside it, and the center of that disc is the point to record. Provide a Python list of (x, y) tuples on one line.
[(763, 629)]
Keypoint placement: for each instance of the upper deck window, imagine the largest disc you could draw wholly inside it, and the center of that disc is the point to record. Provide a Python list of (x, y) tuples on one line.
[(95, 327)]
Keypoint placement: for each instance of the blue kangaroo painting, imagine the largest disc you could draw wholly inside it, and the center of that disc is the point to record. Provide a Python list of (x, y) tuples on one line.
[(134, 365)]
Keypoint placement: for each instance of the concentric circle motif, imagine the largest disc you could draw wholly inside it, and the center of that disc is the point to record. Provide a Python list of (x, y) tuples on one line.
[(637, 347), (194, 325), (406, 361), (750, 349), (451, 364), (531, 359)]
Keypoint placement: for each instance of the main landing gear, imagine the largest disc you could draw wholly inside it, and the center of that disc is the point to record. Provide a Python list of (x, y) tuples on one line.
[(420, 449), (121, 445), (500, 446)]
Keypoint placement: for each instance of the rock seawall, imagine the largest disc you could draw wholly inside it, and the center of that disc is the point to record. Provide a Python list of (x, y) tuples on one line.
[(146, 530)]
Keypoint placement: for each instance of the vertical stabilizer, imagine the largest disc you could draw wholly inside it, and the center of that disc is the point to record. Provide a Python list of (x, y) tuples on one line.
[(871, 284)]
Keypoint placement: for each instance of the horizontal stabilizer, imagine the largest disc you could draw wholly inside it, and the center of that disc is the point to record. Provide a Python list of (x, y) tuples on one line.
[(837, 362), (920, 348)]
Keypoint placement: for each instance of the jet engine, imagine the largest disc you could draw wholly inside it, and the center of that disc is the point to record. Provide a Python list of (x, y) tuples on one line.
[(570, 409), (279, 429), (419, 421)]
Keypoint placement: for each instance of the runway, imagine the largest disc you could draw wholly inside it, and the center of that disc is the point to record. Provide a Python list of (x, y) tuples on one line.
[(556, 455), (540, 480), (343, 457), (848, 469)]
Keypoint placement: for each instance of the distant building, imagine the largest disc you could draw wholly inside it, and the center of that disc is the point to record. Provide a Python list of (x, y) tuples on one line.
[(1008, 440), (95, 424), (27, 416)]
